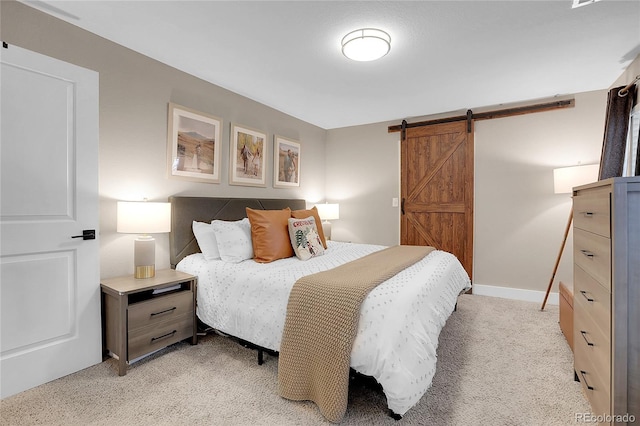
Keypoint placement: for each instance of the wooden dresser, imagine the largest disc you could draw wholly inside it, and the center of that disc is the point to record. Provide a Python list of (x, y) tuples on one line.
[(606, 244)]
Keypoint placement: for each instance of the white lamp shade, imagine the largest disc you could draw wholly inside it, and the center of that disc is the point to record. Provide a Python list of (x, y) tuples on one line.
[(566, 178), (143, 217), (366, 44), (328, 211)]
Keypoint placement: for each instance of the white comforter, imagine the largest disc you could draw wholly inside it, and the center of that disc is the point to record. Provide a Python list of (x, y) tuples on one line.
[(400, 319)]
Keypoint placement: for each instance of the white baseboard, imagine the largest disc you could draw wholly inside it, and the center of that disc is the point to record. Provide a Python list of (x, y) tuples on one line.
[(515, 294)]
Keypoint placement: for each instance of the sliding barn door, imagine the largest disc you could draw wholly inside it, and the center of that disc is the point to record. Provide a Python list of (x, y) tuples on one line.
[(437, 189)]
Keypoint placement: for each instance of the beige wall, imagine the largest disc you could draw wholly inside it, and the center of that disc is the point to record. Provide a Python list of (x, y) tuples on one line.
[(134, 93), (519, 221), (629, 74), (362, 175)]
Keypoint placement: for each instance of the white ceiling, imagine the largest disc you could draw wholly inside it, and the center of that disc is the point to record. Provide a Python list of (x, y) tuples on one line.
[(445, 55)]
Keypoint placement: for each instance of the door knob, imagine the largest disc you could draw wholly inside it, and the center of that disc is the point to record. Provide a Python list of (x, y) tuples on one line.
[(87, 234)]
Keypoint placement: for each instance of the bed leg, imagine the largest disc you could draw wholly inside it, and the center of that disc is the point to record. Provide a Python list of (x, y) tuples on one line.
[(455, 308), (394, 416), (260, 357)]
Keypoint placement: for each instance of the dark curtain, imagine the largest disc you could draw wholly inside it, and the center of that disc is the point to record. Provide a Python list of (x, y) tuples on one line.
[(637, 172), (615, 132)]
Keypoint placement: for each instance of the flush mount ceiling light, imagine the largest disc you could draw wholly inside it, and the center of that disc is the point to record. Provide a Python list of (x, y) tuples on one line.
[(366, 44), (579, 3)]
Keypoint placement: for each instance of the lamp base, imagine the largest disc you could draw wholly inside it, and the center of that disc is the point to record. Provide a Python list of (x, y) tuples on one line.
[(326, 228), (145, 271), (144, 257)]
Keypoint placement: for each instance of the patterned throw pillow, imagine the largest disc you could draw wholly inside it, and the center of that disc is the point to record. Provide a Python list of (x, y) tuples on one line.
[(234, 240), (302, 214), (304, 238)]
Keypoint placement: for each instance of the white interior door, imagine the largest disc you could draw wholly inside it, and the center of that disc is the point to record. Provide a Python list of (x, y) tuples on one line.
[(49, 281)]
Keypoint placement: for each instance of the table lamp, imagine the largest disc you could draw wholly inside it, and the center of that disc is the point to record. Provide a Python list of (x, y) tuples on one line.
[(328, 212), (144, 218)]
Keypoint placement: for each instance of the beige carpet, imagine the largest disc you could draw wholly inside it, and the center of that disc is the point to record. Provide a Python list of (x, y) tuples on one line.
[(500, 362)]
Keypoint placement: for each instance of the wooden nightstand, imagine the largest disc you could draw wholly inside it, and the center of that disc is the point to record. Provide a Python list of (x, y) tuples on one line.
[(140, 316)]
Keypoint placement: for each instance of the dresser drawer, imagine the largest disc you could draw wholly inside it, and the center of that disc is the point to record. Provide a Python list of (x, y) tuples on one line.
[(593, 345), (592, 299), (592, 212), (597, 392), (148, 339), (160, 309), (592, 253)]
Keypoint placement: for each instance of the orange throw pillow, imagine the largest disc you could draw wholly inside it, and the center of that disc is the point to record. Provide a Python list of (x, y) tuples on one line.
[(270, 234), (303, 214)]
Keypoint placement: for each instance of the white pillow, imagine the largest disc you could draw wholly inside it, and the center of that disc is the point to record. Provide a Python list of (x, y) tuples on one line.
[(234, 239), (206, 240)]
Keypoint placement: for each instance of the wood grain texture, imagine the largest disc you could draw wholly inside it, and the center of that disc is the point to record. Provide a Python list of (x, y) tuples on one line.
[(437, 189)]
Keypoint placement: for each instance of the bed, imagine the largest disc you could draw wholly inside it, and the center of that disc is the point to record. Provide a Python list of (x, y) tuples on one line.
[(400, 319)]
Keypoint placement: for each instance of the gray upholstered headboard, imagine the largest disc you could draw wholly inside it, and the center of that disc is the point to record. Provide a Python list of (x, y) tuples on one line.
[(184, 210)]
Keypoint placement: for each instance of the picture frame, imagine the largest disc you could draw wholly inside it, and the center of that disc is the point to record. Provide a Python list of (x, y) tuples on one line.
[(193, 145), (286, 162), (248, 153)]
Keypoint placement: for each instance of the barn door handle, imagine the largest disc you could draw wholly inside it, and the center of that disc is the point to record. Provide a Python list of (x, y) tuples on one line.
[(402, 206), (87, 234)]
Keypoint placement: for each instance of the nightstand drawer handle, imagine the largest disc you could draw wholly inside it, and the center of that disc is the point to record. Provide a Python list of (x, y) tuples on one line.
[(163, 312), (584, 379), (588, 214), (587, 253), (153, 339), (584, 336), (584, 293)]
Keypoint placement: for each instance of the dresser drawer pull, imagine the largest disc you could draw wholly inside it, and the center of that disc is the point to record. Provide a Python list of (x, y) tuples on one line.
[(153, 339), (584, 379), (588, 214), (584, 336), (588, 253), (153, 314), (584, 293)]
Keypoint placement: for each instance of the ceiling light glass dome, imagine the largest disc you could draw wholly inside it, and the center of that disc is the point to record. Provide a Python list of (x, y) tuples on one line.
[(366, 44)]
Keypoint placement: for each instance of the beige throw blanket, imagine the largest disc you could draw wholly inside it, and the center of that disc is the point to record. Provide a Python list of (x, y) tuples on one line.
[(322, 322)]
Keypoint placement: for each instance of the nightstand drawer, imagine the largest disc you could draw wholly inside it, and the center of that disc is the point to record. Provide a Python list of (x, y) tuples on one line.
[(591, 212), (147, 339), (593, 254), (160, 309)]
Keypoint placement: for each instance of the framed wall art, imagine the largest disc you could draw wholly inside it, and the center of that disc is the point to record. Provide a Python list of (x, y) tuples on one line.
[(248, 152), (193, 145), (286, 162)]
